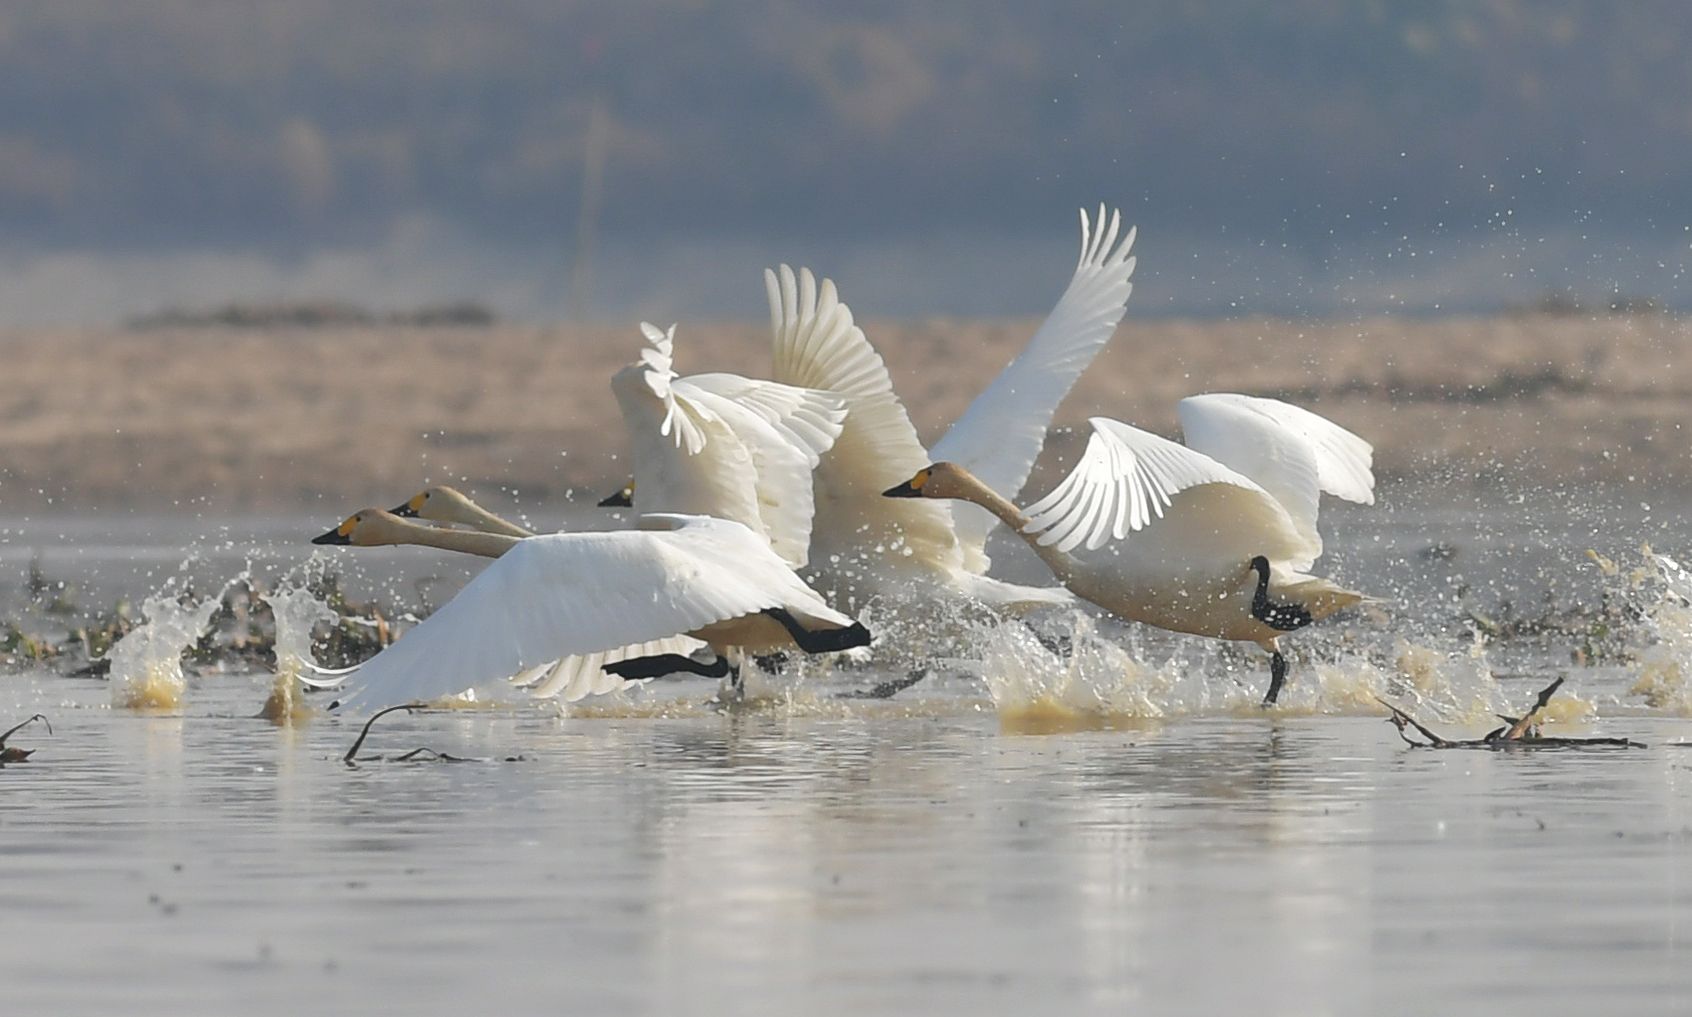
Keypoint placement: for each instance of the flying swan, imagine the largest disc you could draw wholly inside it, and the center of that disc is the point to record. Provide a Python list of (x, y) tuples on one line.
[(863, 545), (616, 600), (1211, 538), (723, 445)]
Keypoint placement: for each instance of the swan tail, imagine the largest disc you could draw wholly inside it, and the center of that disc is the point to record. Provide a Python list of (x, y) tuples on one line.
[(1321, 597)]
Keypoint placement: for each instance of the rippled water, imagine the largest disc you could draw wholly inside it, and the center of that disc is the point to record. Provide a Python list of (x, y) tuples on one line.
[(816, 854)]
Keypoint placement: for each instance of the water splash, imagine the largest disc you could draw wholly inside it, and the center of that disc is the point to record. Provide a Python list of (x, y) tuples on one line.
[(1662, 589), (297, 611), (147, 662)]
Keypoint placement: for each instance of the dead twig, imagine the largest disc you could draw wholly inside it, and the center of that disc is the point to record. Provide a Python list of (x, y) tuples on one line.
[(1522, 732), (11, 755), (421, 753)]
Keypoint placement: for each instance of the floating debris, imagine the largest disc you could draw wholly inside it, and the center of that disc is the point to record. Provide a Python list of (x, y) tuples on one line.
[(12, 755), (1521, 732), (422, 753)]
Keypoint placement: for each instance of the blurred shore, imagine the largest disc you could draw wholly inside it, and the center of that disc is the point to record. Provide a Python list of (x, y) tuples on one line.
[(284, 419)]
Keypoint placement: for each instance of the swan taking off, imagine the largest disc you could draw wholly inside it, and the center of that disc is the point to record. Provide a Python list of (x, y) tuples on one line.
[(725, 446), (622, 598), (1212, 539), (863, 545), (442, 504)]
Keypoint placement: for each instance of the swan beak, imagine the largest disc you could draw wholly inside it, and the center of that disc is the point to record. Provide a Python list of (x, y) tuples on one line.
[(409, 509), (622, 499), (911, 488), (340, 535)]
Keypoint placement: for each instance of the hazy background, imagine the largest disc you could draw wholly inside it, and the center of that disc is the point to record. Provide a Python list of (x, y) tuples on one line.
[(1294, 158)]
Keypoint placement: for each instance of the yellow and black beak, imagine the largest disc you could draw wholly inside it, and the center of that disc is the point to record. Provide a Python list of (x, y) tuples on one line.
[(340, 535), (410, 509), (622, 499), (911, 488)]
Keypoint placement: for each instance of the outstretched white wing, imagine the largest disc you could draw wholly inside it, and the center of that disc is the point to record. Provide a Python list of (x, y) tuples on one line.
[(577, 594), (809, 418), (1289, 451), (1000, 435), (684, 456), (574, 678), (1126, 479), (816, 345)]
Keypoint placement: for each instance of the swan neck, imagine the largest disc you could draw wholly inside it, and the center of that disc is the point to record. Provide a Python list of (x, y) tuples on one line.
[(487, 545), (488, 522), (976, 492)]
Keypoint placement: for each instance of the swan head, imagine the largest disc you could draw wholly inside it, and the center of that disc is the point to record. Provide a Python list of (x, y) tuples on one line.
[(369, 527), (624, 498), (938, 480), (1260, 565), (440, 504)]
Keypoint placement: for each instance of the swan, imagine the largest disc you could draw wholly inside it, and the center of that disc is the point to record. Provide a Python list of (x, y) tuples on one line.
[(617, 600), (726, 446), (1211, 538), (444, 504), (863, 545)]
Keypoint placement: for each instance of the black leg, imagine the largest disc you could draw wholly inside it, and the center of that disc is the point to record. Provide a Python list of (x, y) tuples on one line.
[(658, 665), (1283, 616), (822, 640), (1277, 677)]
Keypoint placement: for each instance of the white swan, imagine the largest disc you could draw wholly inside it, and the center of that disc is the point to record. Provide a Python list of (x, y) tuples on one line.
[(864, 545), (616, 599), (443, 504), (725, 446), (1212, 539)]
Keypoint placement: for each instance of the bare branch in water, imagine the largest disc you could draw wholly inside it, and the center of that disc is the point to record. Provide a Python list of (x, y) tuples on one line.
[(1520, 734), (9, 755), (352, 754)]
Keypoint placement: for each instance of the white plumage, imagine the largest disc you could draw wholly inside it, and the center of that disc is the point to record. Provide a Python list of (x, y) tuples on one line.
[(578, 595), (862, 544)]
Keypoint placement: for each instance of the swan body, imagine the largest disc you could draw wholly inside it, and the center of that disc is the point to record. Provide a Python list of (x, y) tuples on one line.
[(590, 598), (725, 446), (864, 545), (1160, 533)]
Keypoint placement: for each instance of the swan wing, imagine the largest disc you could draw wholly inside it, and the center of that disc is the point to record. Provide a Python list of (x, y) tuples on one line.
[(1001, 433), (1125, 480), (578, 594), (780, 477), (809, 418), (817, 345), (684, 456), (1292, 453)]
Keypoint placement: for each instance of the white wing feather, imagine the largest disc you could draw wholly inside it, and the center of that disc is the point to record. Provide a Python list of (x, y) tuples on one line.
[(809, 418), (816, 345), (577, 594), (1126, 479), (1000, 435), (1289, 451)]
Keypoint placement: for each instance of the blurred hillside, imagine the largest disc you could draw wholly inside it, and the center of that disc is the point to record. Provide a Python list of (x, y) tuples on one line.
[(334, 419)]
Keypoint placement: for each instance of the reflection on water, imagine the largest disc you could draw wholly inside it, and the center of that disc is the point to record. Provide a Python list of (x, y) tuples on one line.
[(867, 857)]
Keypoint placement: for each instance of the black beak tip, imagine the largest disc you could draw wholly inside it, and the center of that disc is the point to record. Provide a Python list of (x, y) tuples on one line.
[(332, 537), (619, 500), (404, 511), (904, 490)]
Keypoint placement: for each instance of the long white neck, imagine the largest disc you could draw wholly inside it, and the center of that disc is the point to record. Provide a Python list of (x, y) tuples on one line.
[(971, 489), (488, 545), (487, 522)]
